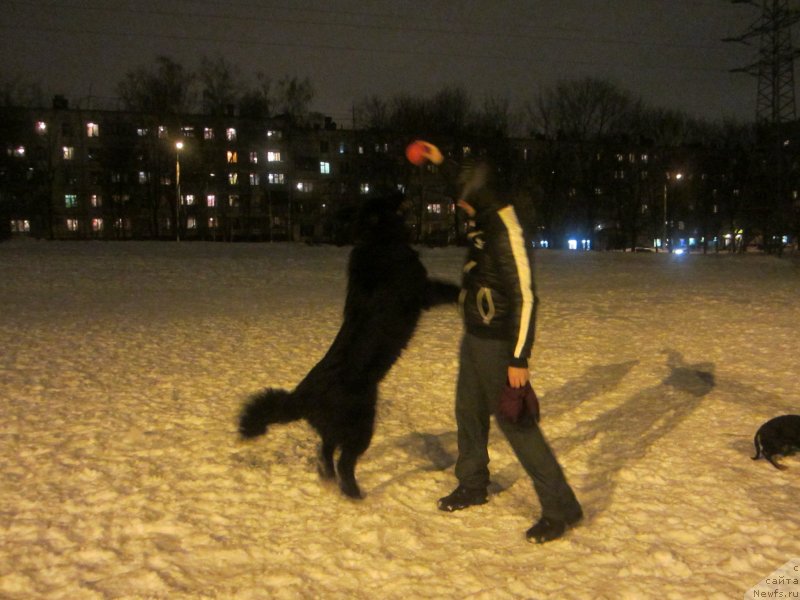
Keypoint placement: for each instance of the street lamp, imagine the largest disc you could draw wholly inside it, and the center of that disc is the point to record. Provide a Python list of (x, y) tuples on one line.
[(667, 242), (178, 148)]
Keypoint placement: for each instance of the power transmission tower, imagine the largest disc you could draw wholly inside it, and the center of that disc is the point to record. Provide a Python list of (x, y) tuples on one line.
[(775, 65)]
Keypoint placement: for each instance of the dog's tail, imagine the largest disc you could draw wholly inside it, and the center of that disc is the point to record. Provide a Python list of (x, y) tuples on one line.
[(757, 444), (269, 406)]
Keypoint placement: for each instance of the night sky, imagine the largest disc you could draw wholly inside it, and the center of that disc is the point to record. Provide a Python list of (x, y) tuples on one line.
[(667, 51)]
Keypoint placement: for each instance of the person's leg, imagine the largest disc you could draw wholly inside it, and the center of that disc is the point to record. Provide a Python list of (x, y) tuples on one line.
[(472, 420), (555, 495)]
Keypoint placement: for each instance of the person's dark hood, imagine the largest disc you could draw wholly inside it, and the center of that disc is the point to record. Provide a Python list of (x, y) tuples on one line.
[(478, 182)]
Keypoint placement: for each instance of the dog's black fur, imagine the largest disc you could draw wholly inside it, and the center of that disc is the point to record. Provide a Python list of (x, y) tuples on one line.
[(778, 436), (387, 290)]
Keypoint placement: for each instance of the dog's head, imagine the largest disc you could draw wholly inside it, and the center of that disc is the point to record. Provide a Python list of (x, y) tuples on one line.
[(381, 219)]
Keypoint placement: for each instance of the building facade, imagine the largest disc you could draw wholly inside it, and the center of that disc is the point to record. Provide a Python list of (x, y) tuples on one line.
[(113, 175)]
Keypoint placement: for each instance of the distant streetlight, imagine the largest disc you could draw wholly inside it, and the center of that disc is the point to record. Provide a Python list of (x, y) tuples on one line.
[(178, 148), (667, 241)]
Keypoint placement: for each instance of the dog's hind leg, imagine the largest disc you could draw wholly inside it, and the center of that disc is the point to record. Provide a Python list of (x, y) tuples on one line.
[(774, 462), (757, 444), (325, 459), (353, 447), (346, 470)]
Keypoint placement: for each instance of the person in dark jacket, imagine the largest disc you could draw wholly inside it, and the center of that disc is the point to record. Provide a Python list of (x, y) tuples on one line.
[(498, 302)]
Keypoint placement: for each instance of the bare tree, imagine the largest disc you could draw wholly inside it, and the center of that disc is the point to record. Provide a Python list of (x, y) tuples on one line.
[(294, 96), (258, 101), (373, 112), (221, 85), (15, 91), (584, 110), (167, 89)]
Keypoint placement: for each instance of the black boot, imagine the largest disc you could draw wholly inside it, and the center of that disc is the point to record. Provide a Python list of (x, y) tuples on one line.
[(463, 497), (547, 530)]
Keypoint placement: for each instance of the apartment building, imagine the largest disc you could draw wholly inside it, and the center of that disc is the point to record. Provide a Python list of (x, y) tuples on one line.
[(92, 174)]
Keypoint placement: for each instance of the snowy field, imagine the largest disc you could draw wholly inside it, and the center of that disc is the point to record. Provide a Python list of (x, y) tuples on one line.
[(121, 475)]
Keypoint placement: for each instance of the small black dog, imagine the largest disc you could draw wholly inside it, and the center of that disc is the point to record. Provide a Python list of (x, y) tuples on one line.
[(780, 435), (387, 290)]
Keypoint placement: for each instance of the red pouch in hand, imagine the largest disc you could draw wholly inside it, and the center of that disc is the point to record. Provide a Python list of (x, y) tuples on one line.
[(518, 405)]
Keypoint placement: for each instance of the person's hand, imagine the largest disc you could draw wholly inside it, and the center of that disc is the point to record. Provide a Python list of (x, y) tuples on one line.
[(518, 376)]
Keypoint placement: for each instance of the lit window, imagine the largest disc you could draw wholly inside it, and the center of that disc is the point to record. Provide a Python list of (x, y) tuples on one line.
[(233, 200), (208, 133), (435, 209), (20, 226), (69, 152), (191, 223), (162, 131), (96, 201), (19, 151), (254, 179), (304, 186), (276, 178), (70, 200), (211, 200), (364, 188), (233, 157), (92, 130), (342, 148), (466, 151), (273, 134), (273, 157), (72, 224), (325, 167), (142, 131), (144, 177), (187, 131), (97, 225), (233, 178), (212, 222), (254, 158), (41, 127), (230, 134), (188, 200)]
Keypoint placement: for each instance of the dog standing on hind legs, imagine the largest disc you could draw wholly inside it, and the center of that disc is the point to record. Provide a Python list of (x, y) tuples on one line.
[(387, 290)]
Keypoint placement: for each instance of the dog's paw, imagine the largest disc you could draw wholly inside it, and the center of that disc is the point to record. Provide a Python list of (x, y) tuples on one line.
[(325, 469), (351, 490)]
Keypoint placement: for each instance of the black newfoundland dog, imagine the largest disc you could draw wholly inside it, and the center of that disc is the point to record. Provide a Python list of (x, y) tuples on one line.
[(387, 290)]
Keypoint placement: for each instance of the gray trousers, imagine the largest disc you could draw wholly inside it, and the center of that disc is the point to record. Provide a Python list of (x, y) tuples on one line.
[(482, 374)]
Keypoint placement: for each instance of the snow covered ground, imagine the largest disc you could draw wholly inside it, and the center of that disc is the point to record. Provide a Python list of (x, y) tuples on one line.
[(121, 476)]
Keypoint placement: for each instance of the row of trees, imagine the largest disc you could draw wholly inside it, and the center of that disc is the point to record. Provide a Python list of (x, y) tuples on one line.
[(216, 88)]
